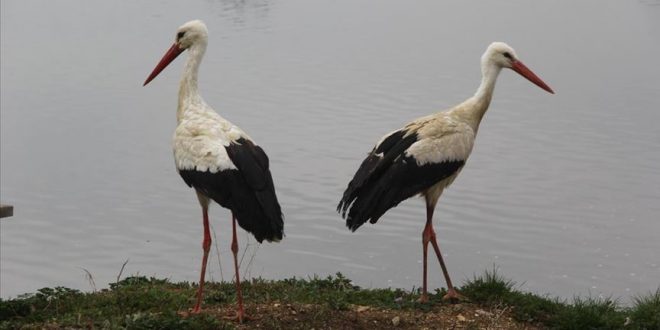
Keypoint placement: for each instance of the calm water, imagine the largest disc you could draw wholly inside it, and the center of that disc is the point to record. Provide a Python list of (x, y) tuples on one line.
[(561, 194)]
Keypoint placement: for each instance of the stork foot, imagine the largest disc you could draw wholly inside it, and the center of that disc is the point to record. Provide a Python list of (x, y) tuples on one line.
[(453, 296), (190, 312), (423, 299), (195, 310), (238, 317)]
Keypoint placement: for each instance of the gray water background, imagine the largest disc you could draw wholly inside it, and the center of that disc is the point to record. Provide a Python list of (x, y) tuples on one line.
[(561, 194)]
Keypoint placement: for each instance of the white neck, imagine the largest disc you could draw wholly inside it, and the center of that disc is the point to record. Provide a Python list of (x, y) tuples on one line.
[(474, 108), (188, 92), (489, 73)]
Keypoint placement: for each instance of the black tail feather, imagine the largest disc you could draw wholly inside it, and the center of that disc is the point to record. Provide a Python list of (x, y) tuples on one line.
[(258, 212), (402, 180), (372, 168)]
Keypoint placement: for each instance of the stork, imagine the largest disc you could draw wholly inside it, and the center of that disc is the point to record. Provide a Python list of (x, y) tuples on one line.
[(425, 156), (218, 160)]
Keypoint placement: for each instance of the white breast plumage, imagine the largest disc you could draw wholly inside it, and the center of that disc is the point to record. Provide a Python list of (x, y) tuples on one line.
[(200, 141), (441, 141)]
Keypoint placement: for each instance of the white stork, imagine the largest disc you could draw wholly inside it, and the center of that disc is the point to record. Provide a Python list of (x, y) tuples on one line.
[(218, 159), (425, 156)]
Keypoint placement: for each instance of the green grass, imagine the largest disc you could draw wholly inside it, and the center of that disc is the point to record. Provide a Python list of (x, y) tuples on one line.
[(136, 302), (141, 303), (581, 313), (147, 303), (334, 292), (646, 312)]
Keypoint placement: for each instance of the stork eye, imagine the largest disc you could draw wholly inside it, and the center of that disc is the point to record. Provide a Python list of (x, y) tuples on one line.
[(508, 55), (180, 35)]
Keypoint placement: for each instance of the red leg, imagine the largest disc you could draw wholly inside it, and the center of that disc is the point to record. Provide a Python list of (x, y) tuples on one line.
[(206, 245), (234, 250), (425, 244), (429, 234)]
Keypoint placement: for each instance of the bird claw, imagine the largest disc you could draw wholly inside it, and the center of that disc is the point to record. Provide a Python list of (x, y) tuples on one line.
[(238, 317), (190, 312), (453, 296), (195, 310)]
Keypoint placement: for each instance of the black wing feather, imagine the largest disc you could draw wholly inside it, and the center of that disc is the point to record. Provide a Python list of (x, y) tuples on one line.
[(248, 192), (381, 183), (402, 180), (372, 166)]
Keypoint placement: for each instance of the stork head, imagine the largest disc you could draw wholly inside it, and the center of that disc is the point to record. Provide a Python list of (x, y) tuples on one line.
[(191, 33), (502, 55), (187, 35)]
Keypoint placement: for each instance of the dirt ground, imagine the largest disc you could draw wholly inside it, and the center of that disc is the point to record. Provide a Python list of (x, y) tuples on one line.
[(292, 316)]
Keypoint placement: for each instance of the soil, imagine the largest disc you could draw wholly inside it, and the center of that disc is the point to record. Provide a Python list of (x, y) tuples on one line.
[(306, 316)]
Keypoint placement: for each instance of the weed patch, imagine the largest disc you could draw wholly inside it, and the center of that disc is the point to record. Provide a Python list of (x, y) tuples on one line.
[(140, 302)]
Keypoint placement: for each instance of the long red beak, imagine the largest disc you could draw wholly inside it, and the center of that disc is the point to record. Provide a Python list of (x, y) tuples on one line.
[(171, 54), (524, 71)]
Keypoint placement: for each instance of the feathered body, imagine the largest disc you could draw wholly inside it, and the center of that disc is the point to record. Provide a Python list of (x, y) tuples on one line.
[(223, 163), (218, 159), (425, 156)]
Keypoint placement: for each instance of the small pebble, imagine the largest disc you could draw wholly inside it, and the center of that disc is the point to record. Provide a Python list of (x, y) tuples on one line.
[(361, 309), (483, 312)]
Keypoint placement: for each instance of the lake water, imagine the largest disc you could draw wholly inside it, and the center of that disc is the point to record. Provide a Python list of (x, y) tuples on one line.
[(562, 192)]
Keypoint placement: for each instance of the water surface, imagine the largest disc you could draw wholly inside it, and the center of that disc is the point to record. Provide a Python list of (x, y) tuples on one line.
[(561, 192)]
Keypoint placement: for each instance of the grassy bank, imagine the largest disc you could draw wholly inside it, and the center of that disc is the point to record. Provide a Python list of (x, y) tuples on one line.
[(319, 303)]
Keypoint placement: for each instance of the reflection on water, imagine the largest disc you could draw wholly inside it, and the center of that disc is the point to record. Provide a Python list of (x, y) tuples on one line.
[(560, 193)]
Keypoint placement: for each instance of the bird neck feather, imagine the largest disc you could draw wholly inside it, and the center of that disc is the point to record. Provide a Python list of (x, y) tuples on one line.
[(474, 108), (489, 74), (188, 91)]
